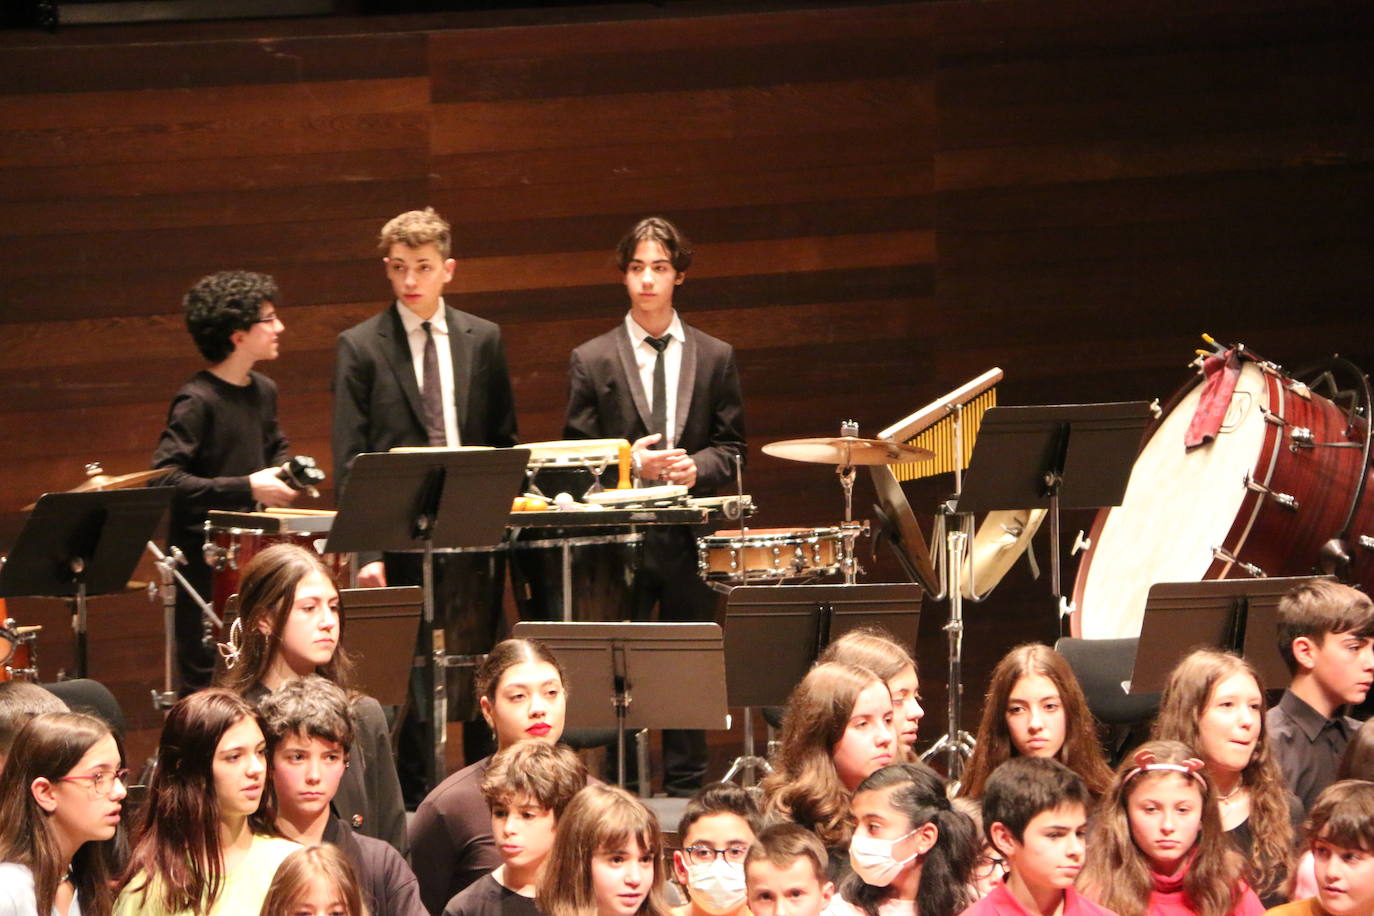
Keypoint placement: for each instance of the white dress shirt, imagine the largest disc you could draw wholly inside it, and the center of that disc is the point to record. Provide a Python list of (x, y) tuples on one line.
[(646, 355), (415, 336)]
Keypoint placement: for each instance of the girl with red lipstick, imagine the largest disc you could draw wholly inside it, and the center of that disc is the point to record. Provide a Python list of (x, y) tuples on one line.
[(837, 730), (289, 626), (208, 843), (60, 797), (1156, 847), (607, 859), (1035, 708), (523, 698), (1214, 703), (876, 650)]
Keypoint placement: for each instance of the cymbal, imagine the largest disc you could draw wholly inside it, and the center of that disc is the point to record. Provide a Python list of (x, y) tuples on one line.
[(118, 481), (847, 451), (111, 482)]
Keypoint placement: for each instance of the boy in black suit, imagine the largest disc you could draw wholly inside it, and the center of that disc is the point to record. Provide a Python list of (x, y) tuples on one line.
[(674, 392)]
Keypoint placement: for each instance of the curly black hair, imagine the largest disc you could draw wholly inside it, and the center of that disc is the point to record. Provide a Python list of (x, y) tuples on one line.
[(222, 303)]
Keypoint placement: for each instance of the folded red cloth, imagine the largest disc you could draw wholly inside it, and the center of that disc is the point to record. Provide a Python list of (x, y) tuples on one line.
[(1222, 372)]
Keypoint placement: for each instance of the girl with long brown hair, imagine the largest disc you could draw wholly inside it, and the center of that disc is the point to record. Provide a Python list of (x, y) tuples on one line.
[(1156, 843), (1035, 708), (60, 798), (207, 844), (876, 650), (317, 880), (1214, 703), (290, 625), (836, 731), (607, 858)]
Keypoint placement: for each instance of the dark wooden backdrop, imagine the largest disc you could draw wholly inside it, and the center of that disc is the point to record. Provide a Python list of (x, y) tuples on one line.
[(887, 200)]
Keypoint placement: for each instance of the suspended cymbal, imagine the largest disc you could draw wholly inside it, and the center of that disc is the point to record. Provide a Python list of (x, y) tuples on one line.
[(112, 482), (847, 451)]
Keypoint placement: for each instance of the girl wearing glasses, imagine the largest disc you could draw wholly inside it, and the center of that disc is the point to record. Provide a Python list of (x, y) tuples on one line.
[(208, 843), (908, 844), (61, 793)]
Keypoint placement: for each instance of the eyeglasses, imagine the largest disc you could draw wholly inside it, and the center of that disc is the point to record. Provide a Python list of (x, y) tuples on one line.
[(102, 783), (705, 855), (985, 867), (266, 319)]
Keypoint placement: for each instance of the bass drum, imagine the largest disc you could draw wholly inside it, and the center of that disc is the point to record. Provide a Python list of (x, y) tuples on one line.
[(1261, 499)]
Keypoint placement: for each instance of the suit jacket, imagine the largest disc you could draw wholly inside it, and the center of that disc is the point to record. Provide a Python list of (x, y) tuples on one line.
[(607, 400), (377, 397)]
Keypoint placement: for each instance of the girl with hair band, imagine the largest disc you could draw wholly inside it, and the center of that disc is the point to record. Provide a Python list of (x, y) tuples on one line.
[(315, 881), (60, 797), (836, 730), (523, 697), (207, 845), (1214, 703), (912, 854), (1035, 708), (876, 650), (290, 625), (607, 858), (1157, 847)]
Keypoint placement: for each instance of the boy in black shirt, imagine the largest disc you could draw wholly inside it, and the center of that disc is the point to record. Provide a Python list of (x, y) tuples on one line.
[(221, 443)]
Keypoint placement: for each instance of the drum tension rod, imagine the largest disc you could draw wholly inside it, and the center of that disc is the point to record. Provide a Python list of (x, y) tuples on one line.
[(1221, 553), (1283, 499), (1366, 542)]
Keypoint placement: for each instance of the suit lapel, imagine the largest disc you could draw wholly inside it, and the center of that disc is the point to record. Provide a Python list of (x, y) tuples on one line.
[(460, 345), (686, 382), (397, 350), (633, 383)]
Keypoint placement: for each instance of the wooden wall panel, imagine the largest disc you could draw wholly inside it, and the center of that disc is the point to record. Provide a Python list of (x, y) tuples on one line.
[(886, 201)]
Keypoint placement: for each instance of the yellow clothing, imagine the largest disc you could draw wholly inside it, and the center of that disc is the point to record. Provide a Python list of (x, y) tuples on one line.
[(242, 892), (1309, 907)]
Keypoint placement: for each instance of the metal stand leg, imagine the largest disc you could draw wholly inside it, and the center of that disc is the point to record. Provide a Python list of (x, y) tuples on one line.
[(747, 764), (956, 743)]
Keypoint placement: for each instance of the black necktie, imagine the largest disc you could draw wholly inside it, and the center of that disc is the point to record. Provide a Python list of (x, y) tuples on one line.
[(431, 394), (658, 410)]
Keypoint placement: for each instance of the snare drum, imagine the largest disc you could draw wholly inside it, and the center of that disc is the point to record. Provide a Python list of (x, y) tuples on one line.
[(767, 555), (228, 550), (1261, 499), (18, 652)]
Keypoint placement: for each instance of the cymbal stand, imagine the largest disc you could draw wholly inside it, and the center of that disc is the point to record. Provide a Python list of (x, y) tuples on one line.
[(171, 577), (850, 530), (955, 743)]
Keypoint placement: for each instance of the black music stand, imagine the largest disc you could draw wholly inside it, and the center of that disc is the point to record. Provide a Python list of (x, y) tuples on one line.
[(427, 499), (1066, 456), (387, 621), (81, 545), (1234, 615), (655, 675), (797, 622)]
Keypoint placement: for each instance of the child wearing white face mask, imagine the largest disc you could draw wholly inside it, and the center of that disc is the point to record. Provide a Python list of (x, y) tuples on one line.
[(719, 825), (908, 844)]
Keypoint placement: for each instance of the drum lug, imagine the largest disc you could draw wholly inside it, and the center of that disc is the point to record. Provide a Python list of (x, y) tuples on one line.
[(1366, 542), (1272, 418), (214, 555), (1226, 556), (1283, 499), (1302, 438), (1080, 543)]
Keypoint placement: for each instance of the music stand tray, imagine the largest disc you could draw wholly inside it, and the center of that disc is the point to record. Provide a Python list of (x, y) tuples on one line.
[(386, 621), (638, 675), (1234, 615), (796, 623)]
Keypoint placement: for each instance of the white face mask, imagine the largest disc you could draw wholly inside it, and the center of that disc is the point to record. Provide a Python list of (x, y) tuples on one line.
[(717, 887), (873, 860)]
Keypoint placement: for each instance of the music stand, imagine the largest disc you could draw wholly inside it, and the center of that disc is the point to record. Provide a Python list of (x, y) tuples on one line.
[(656, 675), (387, 621), (1234, 615), (428, 499), (797, 622), (80, 545)]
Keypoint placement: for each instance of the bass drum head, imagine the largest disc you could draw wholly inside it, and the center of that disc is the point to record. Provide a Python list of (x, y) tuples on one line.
[(1179, 506)]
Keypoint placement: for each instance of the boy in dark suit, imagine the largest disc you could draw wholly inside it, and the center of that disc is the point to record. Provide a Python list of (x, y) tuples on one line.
[(675, 393)]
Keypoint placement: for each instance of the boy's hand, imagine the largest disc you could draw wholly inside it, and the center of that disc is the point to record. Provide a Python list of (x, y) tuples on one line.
[(271, 490), (372, 575)]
